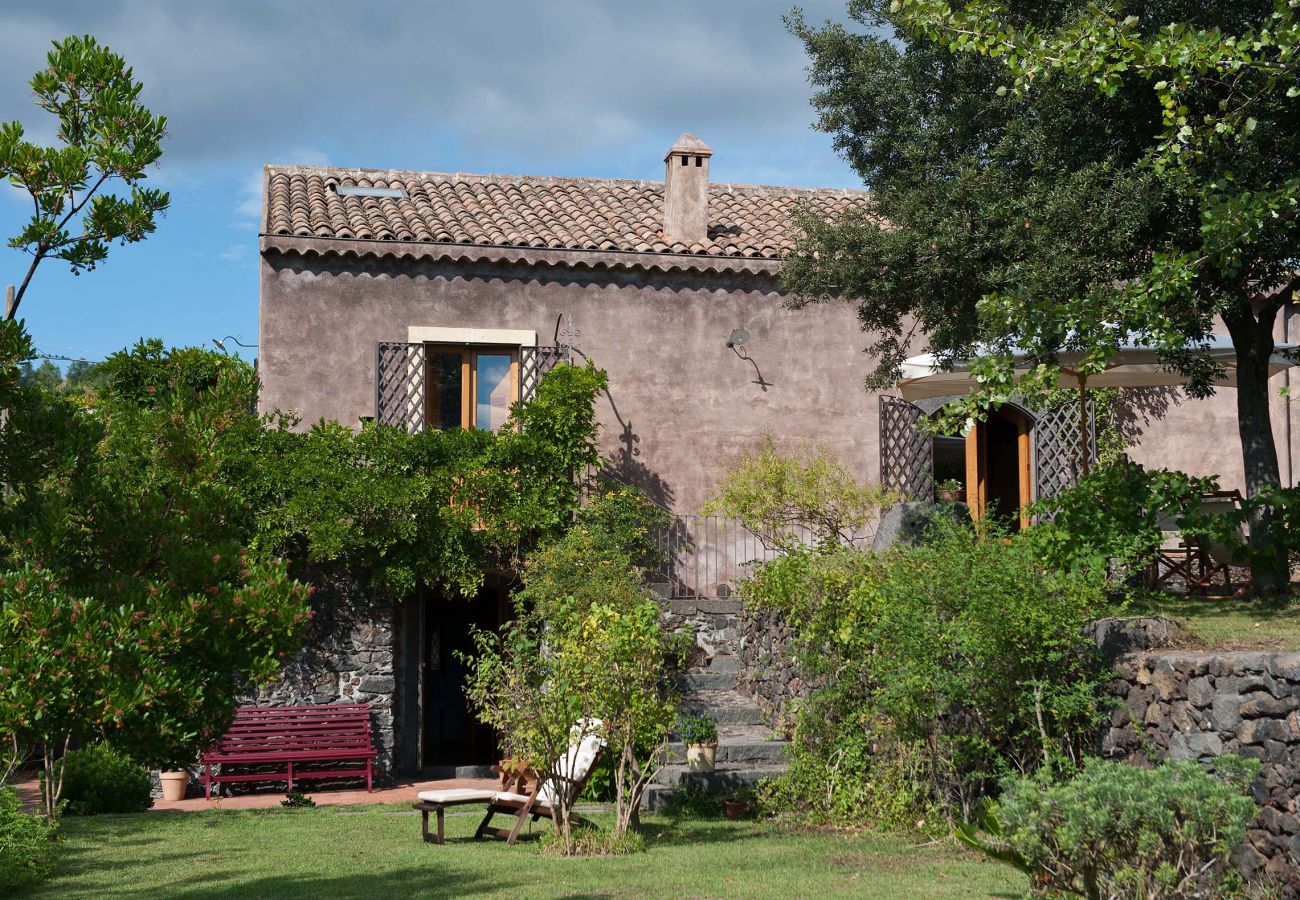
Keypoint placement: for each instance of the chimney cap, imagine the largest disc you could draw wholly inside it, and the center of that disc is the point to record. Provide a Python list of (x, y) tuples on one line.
[(688, 144)]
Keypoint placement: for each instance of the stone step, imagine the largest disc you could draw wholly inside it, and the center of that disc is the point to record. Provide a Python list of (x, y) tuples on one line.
[(737, 752), (709, 606), (694, 682), (720, 780), (724, 662), (724, 707)]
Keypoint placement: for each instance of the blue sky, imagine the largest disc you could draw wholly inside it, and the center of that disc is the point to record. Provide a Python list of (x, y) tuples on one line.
[(566, 87)]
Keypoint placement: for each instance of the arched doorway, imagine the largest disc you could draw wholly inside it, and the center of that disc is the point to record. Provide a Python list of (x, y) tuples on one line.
[(993, 463)]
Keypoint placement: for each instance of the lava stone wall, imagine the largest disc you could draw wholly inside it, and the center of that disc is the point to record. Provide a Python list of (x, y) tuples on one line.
[(767, 669), (1183, 706), (349, 657)]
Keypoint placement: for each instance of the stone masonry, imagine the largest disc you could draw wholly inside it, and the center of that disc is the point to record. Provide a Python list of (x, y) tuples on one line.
[(348, 658), (1183, 706)]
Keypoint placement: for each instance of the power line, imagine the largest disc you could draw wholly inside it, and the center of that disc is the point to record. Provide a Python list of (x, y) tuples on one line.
[(66, 358)]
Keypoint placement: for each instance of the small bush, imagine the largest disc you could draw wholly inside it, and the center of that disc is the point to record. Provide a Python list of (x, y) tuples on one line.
[(27, 847), (942, 669), (297, 800), (1116, 830), (99, 779), (691, 801), (694, 728), (592, 842)]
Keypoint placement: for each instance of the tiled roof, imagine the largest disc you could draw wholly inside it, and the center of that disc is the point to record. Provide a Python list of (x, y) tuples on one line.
[(745, 222)]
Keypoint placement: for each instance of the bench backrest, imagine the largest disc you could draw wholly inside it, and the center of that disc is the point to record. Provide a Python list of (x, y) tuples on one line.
[(272, 729)]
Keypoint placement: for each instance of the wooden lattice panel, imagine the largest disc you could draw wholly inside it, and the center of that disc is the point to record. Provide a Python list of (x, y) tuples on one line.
[(1056, 448), (534, 362), (399, 385), (906, 450)]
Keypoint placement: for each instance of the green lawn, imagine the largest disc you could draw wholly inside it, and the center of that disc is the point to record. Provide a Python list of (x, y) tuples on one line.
[(377, 852), (1229, 623)]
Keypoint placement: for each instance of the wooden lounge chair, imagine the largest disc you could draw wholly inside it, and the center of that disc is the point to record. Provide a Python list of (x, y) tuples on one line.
[(522, 794)]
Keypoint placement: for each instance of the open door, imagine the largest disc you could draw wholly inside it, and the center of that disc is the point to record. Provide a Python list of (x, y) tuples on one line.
[(999, 479)]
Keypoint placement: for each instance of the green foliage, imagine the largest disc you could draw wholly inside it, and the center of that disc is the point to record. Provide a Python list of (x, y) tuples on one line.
[(945, 666), (1113, 516), (27, 847), (690, 801), (297, 800), (694, 728), (128, 606), (586, 644), (777, 496), (1066, 177), (628, 520), (106, 133), (1117, 830), (438, 507), (99, 779)]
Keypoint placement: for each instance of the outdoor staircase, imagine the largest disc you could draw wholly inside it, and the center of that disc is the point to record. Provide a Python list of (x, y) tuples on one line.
[(748, 750)]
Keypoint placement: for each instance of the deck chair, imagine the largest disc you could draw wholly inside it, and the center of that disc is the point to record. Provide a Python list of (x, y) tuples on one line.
[(518, 795)]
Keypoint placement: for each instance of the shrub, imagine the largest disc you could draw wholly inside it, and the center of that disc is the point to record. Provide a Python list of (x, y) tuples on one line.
[(1115, 830), (27, 848), (783, 497), (697, 729), (947, 666), (99, 779), (1112, 516)]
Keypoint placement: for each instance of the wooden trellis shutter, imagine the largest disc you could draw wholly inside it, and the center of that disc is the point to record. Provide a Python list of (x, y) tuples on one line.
[(534, 362), (399, 385), (1056, 448), (906, 450)]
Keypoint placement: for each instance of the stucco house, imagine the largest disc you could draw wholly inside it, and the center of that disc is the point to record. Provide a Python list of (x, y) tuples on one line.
[(435, 300)]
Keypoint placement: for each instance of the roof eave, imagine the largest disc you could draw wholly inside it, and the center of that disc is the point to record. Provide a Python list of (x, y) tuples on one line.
[(427, 251)]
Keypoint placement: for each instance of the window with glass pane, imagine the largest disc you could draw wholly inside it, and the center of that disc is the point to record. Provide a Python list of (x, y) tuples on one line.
[(446, 388), (470, 388), (493, 394)]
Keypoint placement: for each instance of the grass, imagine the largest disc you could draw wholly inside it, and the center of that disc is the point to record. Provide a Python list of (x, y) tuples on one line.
[(376, 851), (1229, 623)]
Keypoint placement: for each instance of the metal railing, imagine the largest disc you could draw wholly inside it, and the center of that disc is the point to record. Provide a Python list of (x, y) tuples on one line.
[(703, 557)]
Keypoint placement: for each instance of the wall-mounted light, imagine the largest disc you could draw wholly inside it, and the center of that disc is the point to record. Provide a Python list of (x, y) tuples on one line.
[(221, 344), (739, 338)]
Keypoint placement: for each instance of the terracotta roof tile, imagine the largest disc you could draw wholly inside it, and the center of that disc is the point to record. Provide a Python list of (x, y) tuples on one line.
[(533, 212)]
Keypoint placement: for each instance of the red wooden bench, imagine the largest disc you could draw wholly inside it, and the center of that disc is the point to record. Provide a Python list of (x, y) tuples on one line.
[(288, 735)]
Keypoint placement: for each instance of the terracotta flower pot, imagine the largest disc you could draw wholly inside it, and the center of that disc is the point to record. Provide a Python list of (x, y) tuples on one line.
[(174, 785), (950, 496), (700, 757), (735, 808)]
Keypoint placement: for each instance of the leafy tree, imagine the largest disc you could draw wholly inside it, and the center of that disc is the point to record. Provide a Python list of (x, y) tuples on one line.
[(129, 606), (105, 133), (587, 644), (1060, 176)]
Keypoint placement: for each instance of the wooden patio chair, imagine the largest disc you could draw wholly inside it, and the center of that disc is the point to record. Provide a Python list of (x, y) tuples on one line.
[(1193, 561), (523, 793)]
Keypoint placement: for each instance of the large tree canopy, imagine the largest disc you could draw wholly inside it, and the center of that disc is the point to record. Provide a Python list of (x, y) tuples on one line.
[(1065, 176)]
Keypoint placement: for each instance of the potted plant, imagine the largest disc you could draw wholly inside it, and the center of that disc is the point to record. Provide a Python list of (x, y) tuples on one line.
[(950, 490), (174, 782), (700, 734), (736, 807)]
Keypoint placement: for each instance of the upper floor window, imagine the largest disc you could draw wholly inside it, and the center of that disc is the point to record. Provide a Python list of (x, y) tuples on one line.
[(470, 387)]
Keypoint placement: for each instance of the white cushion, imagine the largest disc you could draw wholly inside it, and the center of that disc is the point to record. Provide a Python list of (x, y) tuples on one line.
[(576, 762), (507, 796), (456, 795)]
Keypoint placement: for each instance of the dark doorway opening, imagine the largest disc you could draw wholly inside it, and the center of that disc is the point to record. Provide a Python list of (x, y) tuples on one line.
[(1002, 500), (450, 735)]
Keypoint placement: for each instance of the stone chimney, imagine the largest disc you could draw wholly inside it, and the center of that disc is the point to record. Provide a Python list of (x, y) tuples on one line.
[(686, 191)]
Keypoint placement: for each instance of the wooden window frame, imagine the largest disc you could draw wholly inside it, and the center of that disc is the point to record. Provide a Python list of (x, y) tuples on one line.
[(469, 354)]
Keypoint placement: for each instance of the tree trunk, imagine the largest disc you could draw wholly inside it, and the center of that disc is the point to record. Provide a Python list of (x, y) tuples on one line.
[(1253, 339)]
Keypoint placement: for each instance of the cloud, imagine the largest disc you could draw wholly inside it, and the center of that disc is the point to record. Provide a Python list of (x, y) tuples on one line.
[(568, 83)]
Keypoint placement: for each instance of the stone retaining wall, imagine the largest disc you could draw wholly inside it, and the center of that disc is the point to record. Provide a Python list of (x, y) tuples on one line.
[(767, 669), (348, 658), (1181, 706)]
